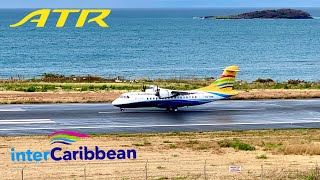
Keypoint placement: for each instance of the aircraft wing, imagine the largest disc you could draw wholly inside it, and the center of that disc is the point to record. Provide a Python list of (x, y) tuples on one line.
[(176, 93)]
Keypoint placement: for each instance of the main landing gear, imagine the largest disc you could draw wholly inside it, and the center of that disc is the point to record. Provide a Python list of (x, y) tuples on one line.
[(121, 109), (172, 109)]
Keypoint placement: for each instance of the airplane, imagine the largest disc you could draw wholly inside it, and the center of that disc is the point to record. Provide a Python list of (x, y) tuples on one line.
[(171, 100)]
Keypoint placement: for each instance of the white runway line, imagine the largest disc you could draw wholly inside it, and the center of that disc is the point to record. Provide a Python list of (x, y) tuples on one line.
[(12, 110), (107, 112), (26, 121), (160, 125)]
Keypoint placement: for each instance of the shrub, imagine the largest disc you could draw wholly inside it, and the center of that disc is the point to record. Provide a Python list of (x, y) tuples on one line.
[(236, 144), (295, 82), (172, 146), (104, 87), (262, 156), (47, 87), (50, 75), (31, 89), (260, 80), (272, 146)]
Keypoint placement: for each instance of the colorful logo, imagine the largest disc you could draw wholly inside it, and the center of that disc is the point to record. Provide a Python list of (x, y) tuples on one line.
[(66, 137), (83, 153)]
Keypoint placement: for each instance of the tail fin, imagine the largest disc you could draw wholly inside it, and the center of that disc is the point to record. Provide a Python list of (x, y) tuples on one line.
[(226, 80)]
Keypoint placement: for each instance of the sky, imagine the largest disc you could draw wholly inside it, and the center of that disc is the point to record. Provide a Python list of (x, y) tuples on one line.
[(155, 3)]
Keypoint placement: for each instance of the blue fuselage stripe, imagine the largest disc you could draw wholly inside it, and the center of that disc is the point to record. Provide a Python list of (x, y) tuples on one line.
[(165, 103)]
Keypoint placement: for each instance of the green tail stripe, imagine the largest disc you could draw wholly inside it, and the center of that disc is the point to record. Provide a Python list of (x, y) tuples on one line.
[(65, 136), (224, 80)]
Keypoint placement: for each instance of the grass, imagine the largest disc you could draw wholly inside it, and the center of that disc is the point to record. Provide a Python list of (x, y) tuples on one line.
[(302, 149), (262, 156), (145, 143), (172, 146), (279, 141), (236, 144), (272, 146), (313, 174), (42, 85)]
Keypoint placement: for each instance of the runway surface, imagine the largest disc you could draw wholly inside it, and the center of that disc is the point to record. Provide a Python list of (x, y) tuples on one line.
[(104, 118)]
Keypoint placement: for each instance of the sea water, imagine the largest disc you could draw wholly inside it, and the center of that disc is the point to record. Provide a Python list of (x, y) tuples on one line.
[(162, 43)]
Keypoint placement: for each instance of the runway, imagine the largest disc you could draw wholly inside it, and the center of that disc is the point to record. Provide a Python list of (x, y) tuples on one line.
[(104, 118)]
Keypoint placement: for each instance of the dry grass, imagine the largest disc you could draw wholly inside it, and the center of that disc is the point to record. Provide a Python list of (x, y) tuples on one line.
[(291, 154), (302, 149)]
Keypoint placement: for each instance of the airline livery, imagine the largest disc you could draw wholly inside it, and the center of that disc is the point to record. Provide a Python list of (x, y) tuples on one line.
[(154, 96)]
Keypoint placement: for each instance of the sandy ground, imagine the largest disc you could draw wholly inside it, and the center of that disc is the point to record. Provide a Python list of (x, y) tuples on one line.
[(108, 96), (172, 156)]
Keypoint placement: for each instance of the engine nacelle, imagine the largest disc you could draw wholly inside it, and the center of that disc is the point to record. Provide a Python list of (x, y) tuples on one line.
[(164, 93)]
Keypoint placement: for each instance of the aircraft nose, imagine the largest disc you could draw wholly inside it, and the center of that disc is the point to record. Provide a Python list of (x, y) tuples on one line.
[(115, 102)]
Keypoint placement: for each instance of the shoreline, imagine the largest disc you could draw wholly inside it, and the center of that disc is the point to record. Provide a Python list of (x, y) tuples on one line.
[(16, 97)]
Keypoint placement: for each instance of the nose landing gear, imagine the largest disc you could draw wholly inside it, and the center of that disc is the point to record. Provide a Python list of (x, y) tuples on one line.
[(121, 109)]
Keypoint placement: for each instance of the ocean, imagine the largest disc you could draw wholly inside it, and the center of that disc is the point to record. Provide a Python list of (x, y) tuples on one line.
[(162, 43)]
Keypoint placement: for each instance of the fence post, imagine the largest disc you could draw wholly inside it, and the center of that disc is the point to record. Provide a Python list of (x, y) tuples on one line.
[(146, 168), (22, 171), (205, 169), (317, 170), (85, 171), (261, 171)]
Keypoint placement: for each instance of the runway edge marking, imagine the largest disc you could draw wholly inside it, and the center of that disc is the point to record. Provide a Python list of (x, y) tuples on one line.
[(165, 125)]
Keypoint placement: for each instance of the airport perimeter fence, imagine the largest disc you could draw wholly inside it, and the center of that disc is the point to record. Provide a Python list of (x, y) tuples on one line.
[(161, 170)]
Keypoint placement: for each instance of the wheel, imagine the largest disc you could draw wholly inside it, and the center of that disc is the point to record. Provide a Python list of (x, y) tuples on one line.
[(121, 109), (175, 109)]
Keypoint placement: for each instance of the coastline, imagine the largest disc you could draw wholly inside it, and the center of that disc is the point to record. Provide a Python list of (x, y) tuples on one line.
[(14, 97)]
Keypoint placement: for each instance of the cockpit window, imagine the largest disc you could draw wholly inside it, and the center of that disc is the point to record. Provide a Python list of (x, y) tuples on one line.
[(127, 97)]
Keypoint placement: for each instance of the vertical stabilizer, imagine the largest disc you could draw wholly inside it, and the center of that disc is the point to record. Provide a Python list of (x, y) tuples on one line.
[(225, 82)]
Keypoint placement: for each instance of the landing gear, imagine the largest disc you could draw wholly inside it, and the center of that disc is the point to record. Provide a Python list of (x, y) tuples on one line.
[(121, 109), (172, 109)]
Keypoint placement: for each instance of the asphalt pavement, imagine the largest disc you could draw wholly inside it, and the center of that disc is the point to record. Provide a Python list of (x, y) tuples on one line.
[(105, 118)]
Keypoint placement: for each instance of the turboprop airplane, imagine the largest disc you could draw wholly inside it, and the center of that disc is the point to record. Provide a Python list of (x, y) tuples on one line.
[(154, 96)]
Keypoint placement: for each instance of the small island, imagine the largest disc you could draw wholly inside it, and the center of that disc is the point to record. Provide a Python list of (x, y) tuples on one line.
[(267, 14)]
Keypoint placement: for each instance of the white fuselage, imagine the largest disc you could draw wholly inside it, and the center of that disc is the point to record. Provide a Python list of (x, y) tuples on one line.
[(150, 99)]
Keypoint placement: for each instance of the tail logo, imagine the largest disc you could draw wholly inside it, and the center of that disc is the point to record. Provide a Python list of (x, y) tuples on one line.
[(66, 137), (225, 81)]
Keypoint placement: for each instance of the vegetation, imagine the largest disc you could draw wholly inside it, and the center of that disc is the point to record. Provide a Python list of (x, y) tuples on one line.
[(62, 83), (236, 144), (262, 156), (269, 14), (145, 143), (272, 146)]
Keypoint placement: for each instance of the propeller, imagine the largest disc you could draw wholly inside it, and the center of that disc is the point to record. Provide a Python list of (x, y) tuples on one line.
[(144, 87), (158, 91)]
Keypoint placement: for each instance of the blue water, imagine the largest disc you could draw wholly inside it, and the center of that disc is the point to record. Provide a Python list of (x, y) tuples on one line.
[(162, 43)]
